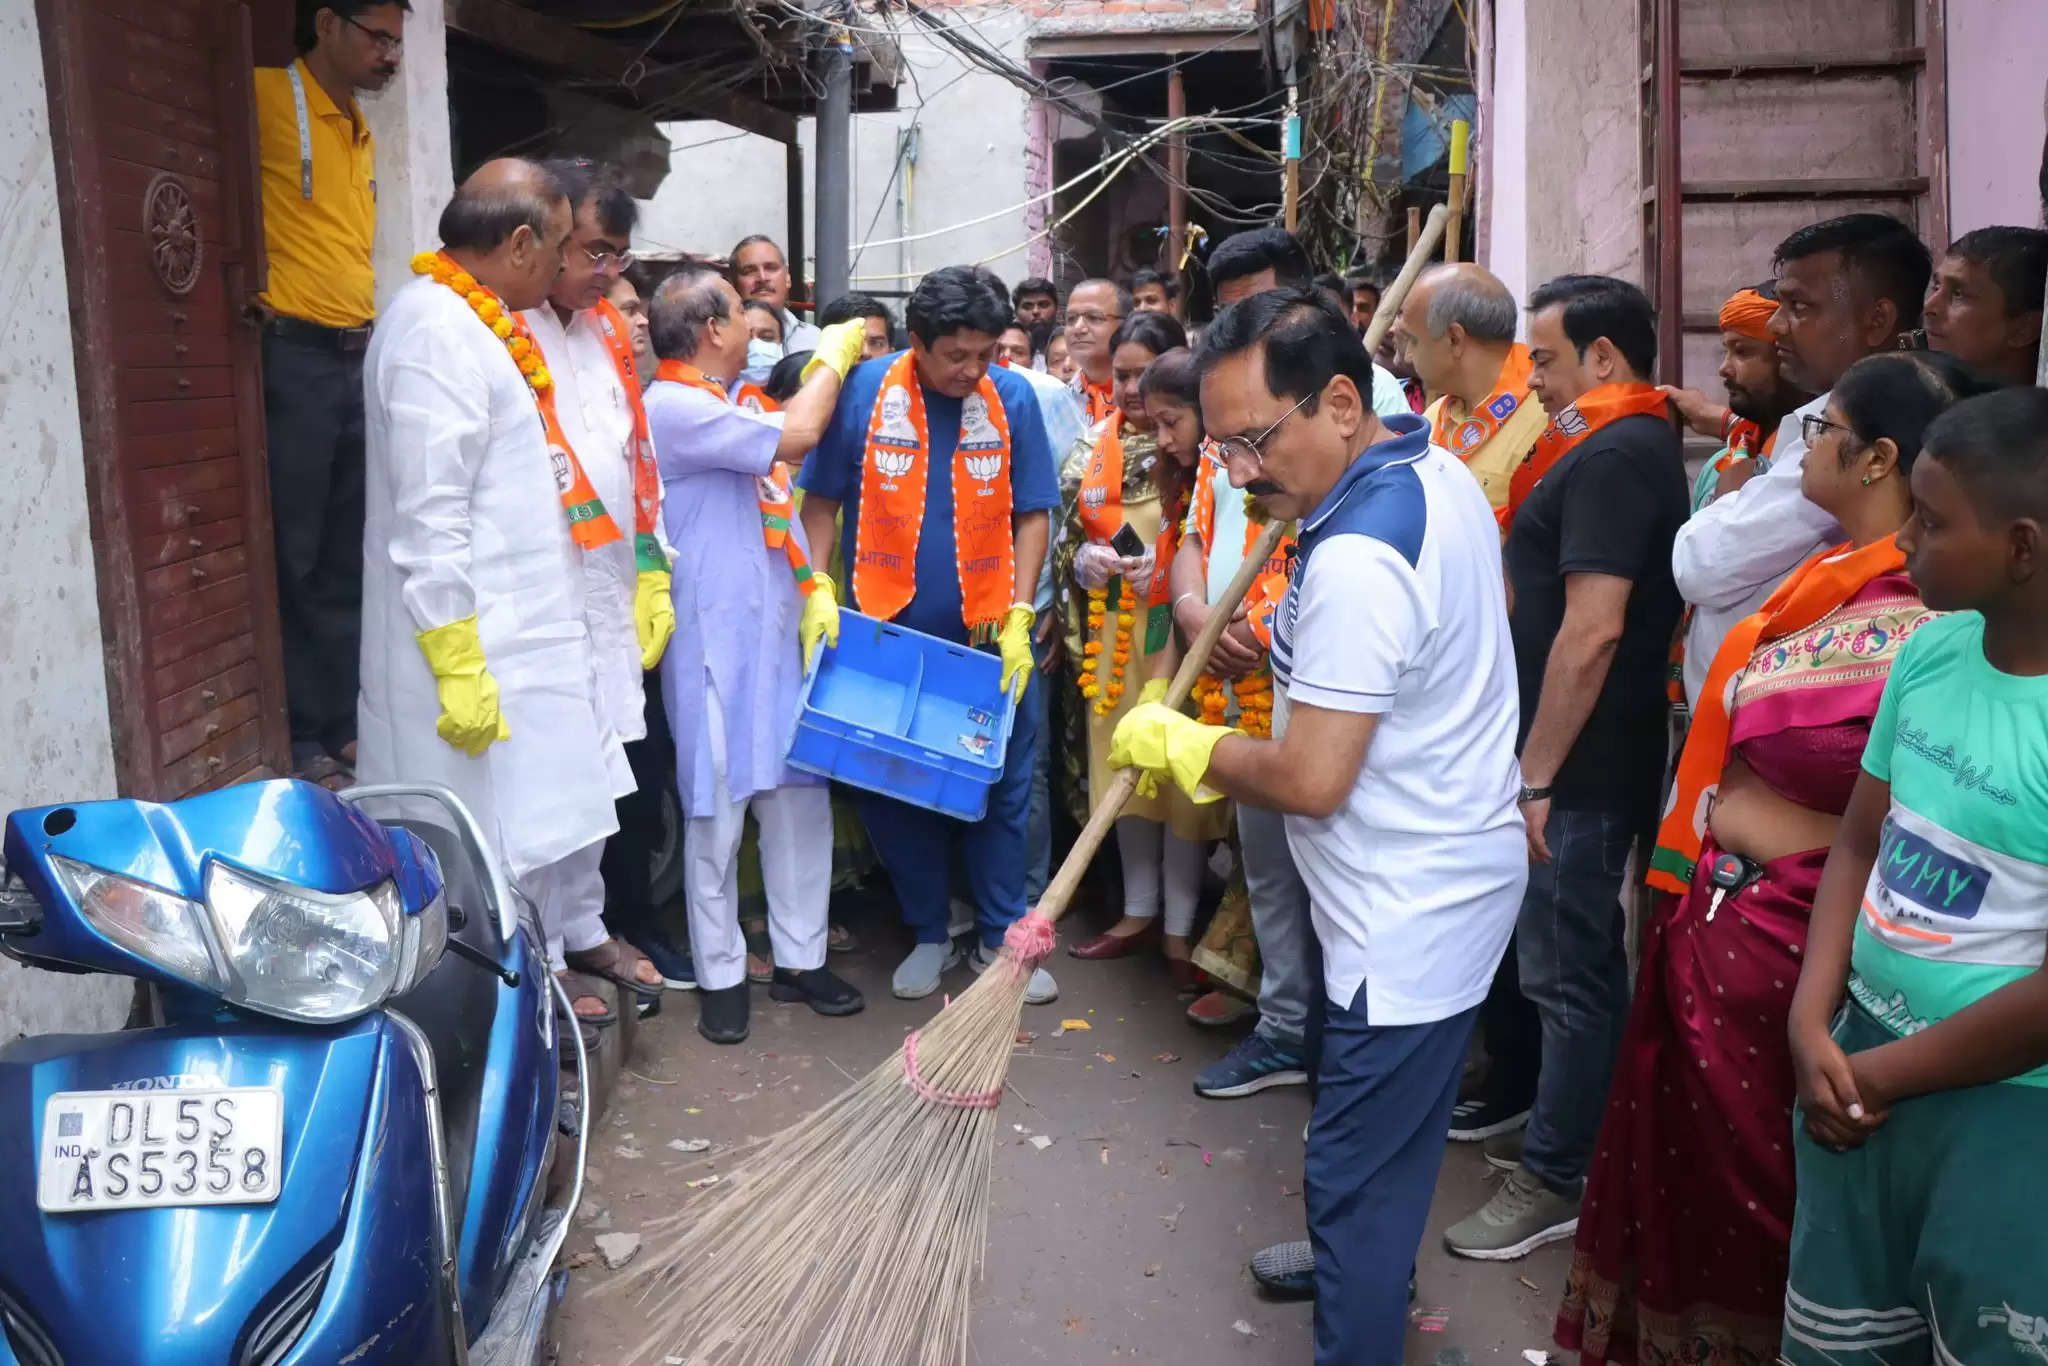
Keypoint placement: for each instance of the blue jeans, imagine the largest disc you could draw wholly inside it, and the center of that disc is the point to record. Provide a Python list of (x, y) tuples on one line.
[(1574, 970), (1038, 823), (916, 846), (1375, 1147), (1290, 964)]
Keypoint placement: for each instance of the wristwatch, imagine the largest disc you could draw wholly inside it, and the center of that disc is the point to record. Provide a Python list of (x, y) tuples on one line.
[(1532, 794)]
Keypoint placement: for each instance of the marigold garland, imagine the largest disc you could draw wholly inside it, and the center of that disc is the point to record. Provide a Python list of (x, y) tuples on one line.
[(1105, 693), (508, 327), (1254, 702)]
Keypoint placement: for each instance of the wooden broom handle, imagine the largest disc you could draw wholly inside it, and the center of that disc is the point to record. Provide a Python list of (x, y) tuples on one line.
[(1060, 891)]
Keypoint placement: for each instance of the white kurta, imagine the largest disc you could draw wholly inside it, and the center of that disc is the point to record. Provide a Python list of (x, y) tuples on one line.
[(595, 416), (463, 518)]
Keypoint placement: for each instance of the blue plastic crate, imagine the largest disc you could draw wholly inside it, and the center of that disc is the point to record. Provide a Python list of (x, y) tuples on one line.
[(907, 715)]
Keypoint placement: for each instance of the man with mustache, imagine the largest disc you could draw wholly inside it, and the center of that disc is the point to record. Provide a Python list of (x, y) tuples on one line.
[(319, 179), (1985, 304), (760, 271), (1847, 287)]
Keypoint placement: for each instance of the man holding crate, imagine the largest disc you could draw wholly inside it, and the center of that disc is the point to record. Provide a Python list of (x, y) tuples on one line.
[(941, 465)]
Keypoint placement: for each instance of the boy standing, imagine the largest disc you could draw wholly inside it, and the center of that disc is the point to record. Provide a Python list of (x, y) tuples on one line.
[(1933, 915)]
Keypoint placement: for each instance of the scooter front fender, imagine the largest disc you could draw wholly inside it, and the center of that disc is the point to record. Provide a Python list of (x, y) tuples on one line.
[(343, 1266)]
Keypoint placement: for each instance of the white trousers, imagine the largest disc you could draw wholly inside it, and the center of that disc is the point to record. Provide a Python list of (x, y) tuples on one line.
[(1148, 849), (570, 895), (796, 869)]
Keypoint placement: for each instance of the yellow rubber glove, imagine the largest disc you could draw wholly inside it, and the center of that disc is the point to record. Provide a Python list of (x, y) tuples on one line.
[(820, 621), (470, 719), (1160, 740), (1014, 640), (1154, 690), (839, 348), (654, 614)]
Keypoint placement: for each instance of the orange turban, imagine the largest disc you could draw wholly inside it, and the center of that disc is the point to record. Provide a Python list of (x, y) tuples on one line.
[(1748, 313)]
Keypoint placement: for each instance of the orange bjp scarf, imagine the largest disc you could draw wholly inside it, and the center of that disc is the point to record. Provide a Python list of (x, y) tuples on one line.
[(1510, 391), (1101, 506), (647, 551), (895, 470), (774, 494), (1596, 409), (1100, 399), (1271, 585), (1820, 586)]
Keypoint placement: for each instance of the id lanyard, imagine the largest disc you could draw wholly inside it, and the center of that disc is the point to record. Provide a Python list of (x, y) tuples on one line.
[(305, 132)]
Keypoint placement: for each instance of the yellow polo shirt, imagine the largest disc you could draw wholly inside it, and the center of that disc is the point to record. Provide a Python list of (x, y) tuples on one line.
[(1493, 464), (320, 247)]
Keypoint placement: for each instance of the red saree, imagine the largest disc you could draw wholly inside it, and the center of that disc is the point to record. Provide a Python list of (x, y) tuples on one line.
[(1682, 1248)]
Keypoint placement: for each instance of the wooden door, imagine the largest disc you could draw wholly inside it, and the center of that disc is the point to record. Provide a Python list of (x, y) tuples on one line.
[(1759, 118), (151, 116)]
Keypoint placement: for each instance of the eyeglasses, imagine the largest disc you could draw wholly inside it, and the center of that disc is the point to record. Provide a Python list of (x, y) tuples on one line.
[(1813, 424), (1091, 319), (387, 43), (1227, 448), (608, 259)]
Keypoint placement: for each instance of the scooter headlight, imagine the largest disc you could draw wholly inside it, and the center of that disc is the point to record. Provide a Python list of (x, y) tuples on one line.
[(306, 955), (165, 928)]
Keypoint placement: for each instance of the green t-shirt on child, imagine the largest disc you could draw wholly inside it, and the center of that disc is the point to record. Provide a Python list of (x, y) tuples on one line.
[(1957, 903)]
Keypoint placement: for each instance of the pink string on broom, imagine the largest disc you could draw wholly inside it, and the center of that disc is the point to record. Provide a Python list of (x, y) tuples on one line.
[(1028, 942)]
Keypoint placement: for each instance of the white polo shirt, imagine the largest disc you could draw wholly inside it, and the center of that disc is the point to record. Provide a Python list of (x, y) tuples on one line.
[(1415, 882)]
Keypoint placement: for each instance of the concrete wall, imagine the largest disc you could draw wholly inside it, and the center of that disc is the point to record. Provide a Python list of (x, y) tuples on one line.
[(724, 184), (1565, 178), (1997, 89), (54, 728), (415, 166)]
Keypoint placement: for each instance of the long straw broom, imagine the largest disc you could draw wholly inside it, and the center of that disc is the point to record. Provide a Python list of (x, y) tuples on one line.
[(855, 1236)]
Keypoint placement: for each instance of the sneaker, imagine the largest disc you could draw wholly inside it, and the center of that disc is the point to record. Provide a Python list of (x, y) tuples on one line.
[(1483, 1117), (1255, 1064), (1286, 1271), (1523, 1215), (820, 990), (674, 965), (1040, 990), (918, 975), (1503, 1151)]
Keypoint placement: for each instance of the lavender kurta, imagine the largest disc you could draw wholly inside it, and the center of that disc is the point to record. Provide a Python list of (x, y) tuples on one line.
[(736, 601)]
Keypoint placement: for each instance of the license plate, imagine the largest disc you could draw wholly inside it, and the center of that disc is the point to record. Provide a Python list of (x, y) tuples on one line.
[(146, 1149)]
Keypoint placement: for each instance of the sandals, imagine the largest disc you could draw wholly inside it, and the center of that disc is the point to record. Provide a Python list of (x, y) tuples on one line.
[(616, 962), (579, 989), (839, 939)]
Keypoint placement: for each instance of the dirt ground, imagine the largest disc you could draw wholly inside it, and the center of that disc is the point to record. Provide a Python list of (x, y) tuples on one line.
[(1123, 1241)]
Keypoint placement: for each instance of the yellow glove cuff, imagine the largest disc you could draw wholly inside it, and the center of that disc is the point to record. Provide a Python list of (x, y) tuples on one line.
[(1154, 690), (453, 651)]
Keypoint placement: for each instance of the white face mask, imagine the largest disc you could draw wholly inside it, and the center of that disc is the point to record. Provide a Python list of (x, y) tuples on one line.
[(762, 355)]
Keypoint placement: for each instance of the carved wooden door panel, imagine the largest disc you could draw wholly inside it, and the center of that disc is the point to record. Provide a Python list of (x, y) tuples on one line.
[(154, 131)]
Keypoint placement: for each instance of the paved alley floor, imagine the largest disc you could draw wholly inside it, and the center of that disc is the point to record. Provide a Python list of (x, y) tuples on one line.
[(1116, 1243)]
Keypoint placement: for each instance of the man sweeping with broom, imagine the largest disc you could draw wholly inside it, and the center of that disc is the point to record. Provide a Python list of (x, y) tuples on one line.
[(1393, 757)]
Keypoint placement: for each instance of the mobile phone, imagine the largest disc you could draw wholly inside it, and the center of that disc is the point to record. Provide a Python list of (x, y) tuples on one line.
[(1127, 542)]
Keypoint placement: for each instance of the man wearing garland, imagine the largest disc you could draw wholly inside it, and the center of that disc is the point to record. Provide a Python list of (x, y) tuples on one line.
[(941, 465), (477, 661), (733, 674), (587, 346)]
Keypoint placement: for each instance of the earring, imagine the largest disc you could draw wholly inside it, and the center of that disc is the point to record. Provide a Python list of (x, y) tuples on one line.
[(1866, 481)]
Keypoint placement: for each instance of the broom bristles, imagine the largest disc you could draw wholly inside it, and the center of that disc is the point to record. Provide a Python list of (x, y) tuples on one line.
[(855, 1236)]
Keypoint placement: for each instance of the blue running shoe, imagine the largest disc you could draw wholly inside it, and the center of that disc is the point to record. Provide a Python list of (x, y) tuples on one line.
[(677, 973), (1255, 1064)]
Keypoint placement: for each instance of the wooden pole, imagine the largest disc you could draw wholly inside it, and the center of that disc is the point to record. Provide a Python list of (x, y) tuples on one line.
[(1461, 150), (1292, 151), (1176, 171)]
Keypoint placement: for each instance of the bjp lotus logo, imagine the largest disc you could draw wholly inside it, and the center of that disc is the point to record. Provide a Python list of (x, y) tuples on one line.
[(986, 465), (893, 463)]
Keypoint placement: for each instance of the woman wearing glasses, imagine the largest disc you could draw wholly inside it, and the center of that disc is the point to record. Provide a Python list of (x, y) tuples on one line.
[(1683, 1235), (1104, 565)]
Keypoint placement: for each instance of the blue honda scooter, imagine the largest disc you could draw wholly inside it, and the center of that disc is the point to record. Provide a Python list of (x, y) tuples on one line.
[(334, 1142)]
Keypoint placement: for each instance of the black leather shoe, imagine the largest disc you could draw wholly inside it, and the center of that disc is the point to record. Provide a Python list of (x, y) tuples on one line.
[(819, 989), (722, 1014)]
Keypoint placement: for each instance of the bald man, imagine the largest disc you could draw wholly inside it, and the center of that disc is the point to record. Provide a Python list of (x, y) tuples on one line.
[(477, 667), (1458, 328)]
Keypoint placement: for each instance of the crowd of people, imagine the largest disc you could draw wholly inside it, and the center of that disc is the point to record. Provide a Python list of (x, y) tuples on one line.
[(1511, 663)]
